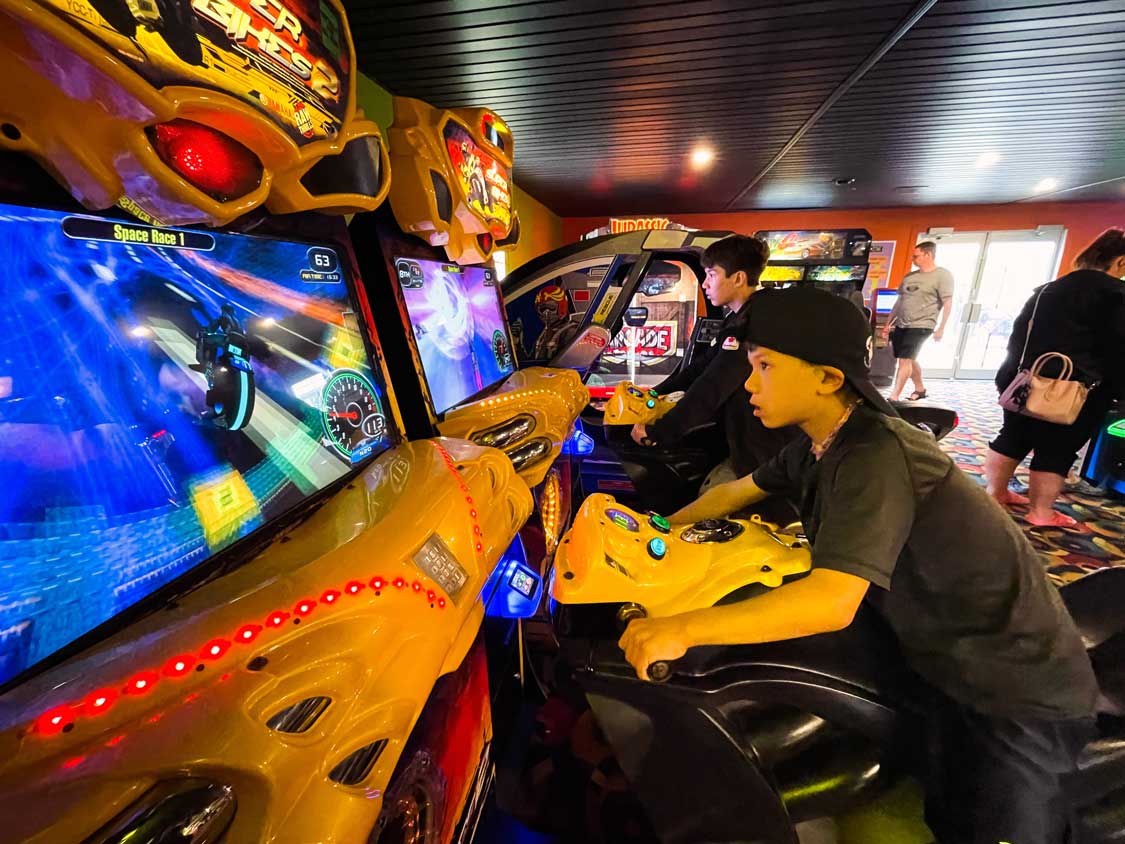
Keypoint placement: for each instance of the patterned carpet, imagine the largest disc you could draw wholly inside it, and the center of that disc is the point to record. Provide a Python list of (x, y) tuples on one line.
[(1099, 538)]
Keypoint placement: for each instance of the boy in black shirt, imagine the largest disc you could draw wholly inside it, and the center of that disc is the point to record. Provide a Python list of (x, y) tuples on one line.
[(713, 382), (893, 521)]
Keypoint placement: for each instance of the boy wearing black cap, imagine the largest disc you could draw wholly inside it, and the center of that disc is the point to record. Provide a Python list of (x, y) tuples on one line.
[(893, 521)]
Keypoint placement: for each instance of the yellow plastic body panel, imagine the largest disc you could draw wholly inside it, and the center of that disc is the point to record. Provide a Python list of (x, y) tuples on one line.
[(426, 143), (553, 398), (376, 649), (689, 576), (76, 95), (633, 405)]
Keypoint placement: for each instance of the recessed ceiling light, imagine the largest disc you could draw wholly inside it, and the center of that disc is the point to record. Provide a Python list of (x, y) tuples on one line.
[(844, 180), (702, 157), (1045, 185), (987, 159)]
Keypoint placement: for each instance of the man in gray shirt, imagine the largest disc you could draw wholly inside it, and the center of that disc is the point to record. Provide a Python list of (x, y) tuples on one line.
[(922, 296)]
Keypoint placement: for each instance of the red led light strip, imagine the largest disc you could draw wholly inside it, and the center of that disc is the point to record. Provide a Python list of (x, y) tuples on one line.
[(56, 720), (452, 467)]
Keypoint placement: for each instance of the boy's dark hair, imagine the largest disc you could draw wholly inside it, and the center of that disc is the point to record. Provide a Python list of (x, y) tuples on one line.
[(927, 246), (1108, 246), (736, 253)]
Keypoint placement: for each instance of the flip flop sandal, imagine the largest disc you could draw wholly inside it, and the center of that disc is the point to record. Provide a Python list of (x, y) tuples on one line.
[(916, 396)]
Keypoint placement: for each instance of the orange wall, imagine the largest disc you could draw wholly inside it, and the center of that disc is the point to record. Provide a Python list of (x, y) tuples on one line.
[(1083, 222), (541, 229)]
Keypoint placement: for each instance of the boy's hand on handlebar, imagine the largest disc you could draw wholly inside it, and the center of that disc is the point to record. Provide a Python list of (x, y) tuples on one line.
[(640, 435), (649, 640)]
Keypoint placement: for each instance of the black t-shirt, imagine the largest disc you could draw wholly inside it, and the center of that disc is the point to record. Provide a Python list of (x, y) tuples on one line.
[(1081, 315), (715, 391), (958, 582)]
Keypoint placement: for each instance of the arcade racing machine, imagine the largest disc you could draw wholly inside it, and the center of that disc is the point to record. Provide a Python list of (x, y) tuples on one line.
[(1104, 465), (436, 301), (644, 290), (235, 605), (741, 743)]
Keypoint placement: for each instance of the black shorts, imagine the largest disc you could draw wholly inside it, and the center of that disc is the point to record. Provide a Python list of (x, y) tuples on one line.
[(907, 342), (992, 780), (1054, 447)]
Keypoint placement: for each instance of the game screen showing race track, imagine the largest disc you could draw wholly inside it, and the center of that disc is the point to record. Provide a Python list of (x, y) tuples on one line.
[(459, 327), (163, 393)]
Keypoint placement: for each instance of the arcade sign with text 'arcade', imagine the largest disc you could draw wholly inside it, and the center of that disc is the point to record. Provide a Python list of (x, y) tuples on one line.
[(618, 225)]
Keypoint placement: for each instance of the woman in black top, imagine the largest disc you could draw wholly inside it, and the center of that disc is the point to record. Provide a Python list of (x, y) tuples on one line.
[(1081, 315)]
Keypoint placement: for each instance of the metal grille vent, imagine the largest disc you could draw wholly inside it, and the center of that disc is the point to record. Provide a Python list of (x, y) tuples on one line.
[(300, 716), (358, 764)]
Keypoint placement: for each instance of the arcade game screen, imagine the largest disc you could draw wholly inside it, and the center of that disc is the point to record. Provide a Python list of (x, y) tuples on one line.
[(163, 393), (458, 325)]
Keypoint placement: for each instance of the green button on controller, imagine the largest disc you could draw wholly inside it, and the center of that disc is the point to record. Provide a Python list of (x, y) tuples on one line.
[(660, 523)]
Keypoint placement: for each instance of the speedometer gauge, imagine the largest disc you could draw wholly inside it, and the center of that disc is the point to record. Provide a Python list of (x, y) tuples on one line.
[(353, 413)]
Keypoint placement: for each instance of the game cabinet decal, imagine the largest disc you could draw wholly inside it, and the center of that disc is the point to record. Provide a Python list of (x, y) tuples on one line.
[(289, 58), (486, 183)]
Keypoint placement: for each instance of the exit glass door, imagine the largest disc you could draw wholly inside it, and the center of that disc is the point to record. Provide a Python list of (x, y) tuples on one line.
[(960, 254), (988, 297)]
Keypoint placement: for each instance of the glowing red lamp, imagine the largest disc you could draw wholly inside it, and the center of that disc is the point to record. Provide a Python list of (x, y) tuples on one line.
[(377, 583), (247, 633), (178, 666), (399, 583), (276, 619), (214, 649), (330, 596), (353, 587), (98, 702), (54, 721), (141, 683), (213, 162), (305, 607)]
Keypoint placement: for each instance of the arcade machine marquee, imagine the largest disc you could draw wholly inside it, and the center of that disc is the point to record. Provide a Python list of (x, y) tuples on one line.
[(231, 595), (191, 112)]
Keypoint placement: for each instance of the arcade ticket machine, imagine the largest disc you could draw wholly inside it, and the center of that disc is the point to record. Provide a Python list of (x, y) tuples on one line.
[(883, 364), (235, 603)]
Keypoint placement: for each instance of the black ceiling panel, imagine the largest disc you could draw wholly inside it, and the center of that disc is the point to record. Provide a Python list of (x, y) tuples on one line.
[(607, 98)]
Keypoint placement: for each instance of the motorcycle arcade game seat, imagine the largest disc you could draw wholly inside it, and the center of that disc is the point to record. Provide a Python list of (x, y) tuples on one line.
[(644, 289), (733, 744)]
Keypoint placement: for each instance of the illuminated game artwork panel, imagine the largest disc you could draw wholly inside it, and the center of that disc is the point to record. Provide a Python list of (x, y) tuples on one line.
[(774, 273), (459, 327), (846, 272), (163, 394), (289, 58), (486, 182)]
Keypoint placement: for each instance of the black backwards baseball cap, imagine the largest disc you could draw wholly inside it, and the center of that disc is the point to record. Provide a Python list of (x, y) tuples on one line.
[(820, 328)]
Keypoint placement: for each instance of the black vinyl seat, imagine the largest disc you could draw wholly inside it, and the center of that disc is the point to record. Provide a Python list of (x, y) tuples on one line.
[(1095, 605)]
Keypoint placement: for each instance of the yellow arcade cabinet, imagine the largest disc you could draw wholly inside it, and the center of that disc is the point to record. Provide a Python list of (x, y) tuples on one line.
[(235, 603)]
